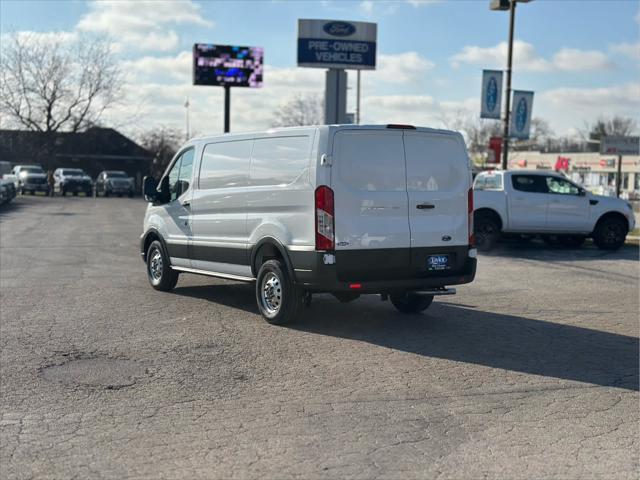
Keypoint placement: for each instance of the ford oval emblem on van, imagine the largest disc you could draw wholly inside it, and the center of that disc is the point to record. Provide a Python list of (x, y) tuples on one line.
[(446, 238), (339, 29)]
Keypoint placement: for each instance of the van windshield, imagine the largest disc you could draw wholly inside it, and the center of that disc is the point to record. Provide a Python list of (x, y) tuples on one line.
[(31, 169)]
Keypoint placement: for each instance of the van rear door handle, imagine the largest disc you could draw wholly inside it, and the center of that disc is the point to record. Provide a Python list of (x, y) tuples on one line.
[(425, 206)]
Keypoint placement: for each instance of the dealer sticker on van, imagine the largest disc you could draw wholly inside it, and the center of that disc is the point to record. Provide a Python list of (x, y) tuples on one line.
[(438, 262)]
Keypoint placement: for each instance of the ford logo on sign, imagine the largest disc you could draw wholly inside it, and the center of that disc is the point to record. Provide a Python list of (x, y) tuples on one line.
[(492, 95), (339, 29), (521, 115)]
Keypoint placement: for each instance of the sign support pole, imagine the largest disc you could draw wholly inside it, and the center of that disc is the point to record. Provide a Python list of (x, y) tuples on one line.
[(227, 108), (619, 177), (358, 100), (505, 148)]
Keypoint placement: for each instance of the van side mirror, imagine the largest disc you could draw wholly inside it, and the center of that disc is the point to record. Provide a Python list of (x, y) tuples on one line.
[(582, 192), (150, 189)]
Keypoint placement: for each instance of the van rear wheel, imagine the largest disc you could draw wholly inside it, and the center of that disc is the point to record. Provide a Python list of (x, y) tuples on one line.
[(411, 302), (279, 299)]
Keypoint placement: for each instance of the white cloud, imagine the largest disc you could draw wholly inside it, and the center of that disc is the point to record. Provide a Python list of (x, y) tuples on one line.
[(526, 58), (421, 110), (422, 3), (571, 107), (40, 38), (402, 68), (572, 59), (631, 50), (177, 67), (142, 24), (371, 7)]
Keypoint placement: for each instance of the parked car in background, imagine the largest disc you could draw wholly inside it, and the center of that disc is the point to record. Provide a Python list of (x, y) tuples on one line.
[(72, 180), (343, 209), (114, 182), (7, 191), (31, 178), (548, 204)]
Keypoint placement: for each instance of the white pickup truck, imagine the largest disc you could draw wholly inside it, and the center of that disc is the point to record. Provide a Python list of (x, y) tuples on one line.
[(535, 202)]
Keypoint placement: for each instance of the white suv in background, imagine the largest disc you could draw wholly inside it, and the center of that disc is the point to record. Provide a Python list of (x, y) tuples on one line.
[(532, 202), (343, 209)]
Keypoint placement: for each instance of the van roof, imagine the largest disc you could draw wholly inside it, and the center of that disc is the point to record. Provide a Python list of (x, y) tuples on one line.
[(333, 127)]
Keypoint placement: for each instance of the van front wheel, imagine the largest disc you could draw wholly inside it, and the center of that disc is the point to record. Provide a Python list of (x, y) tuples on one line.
[(161, 276), (410, 302), (279, 299)]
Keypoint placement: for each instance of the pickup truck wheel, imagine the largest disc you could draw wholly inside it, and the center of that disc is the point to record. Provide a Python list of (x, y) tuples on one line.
[(161, 276), (610, 233), (279, 299), (411, 303), (571, 241), (486, 232)]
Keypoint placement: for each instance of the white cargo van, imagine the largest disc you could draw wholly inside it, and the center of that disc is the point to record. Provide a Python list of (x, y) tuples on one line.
[(343, 209)]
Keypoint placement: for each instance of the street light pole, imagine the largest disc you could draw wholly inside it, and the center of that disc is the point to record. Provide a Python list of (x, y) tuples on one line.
[(507, 113)]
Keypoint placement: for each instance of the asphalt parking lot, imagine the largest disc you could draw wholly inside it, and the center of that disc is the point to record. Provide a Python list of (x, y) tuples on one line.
[(529, 372)]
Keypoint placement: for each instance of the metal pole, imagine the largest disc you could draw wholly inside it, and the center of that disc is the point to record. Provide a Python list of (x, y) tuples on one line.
[(358, 100), (507, 113), (227, 107), (619, 177), (187, 108)]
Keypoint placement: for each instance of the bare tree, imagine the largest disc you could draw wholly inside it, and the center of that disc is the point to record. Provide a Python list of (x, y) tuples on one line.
[(476, 131), (163, 143), (300, 110), (616, 125), (57, 85)]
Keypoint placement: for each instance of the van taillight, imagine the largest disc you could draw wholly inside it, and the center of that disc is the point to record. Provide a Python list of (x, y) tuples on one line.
[(324, 218), (472, 237)]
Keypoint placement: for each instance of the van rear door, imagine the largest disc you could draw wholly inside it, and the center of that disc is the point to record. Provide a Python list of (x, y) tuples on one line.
[(368, 178), (438, 182)]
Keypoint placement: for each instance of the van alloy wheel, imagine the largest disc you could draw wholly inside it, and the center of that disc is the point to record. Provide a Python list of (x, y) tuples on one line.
[(155, 265), (271, 294)]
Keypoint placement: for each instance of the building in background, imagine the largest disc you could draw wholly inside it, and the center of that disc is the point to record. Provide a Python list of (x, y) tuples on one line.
[(93, 150)]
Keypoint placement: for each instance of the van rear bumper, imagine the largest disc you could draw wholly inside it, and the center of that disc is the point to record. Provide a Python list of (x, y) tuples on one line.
[(313, 274)]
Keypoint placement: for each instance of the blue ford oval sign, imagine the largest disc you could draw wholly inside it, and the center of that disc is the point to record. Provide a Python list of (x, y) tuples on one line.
[(521, 115), (492, 95), (339, 29)]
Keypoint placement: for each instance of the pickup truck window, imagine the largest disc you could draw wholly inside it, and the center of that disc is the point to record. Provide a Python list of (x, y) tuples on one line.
[(530, 183), (488, 182), (561, 186)]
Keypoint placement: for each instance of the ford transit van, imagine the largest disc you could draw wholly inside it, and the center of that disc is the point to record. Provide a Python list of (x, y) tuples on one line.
[(343, 209)]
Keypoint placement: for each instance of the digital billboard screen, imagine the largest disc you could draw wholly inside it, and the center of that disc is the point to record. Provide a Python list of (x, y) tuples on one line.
[(221, 65)]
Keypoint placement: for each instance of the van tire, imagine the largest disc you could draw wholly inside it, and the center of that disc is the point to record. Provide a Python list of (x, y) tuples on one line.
[(610, 233), (411, 303), (486, 231), (279, 299), (159, 272)]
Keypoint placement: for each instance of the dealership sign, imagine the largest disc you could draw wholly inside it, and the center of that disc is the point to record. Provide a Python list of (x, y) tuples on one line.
[(619, 145), (491, 94), (521, 114), (337, 44)]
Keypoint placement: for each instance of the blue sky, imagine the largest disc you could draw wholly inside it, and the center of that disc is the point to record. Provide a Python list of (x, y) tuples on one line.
[(580, 57)]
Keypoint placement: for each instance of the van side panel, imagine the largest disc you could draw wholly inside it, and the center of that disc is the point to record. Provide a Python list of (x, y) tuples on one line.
[(218, 206), (280, 200)]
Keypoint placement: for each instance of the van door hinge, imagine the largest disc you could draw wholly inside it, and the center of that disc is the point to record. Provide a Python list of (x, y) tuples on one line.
[(325, 160)]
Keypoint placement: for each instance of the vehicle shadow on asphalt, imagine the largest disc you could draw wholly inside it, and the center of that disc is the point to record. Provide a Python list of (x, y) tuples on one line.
[(494, 340), (535, 250), (462, 334), (11, 207)]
